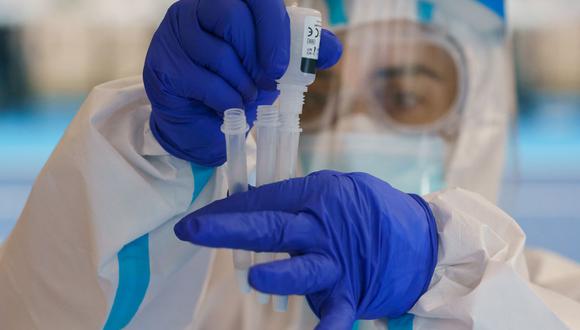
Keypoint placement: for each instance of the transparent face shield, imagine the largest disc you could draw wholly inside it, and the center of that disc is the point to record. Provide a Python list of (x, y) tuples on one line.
[(389, 107), (404, 76)]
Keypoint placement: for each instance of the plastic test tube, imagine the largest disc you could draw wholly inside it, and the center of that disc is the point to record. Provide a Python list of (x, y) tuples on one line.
[(289, 136), (267, 126), (234, 129), (305, 32)]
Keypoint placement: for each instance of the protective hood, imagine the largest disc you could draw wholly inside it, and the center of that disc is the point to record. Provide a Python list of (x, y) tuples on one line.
[(438, 70)]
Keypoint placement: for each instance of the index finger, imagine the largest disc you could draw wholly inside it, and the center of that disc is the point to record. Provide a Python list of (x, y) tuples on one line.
[(289, 196), (272, 26), (267, 231)]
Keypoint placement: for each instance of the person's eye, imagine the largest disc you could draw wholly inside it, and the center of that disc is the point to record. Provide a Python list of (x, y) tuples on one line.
[(394, 98), (405, 99)]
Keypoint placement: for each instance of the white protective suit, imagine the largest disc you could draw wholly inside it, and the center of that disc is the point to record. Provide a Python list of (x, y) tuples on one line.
[(94, 246)]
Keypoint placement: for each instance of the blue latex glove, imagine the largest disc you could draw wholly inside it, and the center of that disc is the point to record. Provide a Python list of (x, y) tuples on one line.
[(360, 248), (211, 55)]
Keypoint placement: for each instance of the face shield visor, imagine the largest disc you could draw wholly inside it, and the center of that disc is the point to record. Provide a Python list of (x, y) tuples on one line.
[(414, 80)]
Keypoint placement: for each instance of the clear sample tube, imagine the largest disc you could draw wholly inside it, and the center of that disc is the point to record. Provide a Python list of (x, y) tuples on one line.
[(289, 138), (234, 128), (306, 30), (267, 126)]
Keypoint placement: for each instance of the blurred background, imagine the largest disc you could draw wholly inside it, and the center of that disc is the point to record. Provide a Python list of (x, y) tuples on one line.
[(52, 52)]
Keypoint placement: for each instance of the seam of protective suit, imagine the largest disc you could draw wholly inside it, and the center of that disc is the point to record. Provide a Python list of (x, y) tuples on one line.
[(134, 266)]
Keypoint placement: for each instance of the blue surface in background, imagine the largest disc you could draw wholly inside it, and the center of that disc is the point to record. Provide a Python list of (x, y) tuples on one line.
[(541, 187), (28, 134)]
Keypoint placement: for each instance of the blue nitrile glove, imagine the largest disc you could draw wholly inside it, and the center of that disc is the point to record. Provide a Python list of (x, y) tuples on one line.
[(360, 248), (211, 55)]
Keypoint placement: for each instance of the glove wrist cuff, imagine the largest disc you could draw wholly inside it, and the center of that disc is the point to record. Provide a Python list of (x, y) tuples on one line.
[(433, 237), (174, 150)]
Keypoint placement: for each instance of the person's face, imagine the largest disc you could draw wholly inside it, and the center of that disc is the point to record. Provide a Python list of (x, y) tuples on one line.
[(390, 71)]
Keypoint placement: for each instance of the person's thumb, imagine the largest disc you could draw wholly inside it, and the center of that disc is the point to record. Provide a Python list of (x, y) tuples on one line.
[(330, 50), (336, 314)]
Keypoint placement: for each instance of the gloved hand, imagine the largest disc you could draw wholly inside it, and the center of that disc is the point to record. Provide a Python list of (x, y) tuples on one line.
[(360, 248), (211, 55)]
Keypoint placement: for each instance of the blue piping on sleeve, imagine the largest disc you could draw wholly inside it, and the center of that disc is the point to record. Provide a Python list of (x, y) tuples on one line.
[(336, 12), (133, 282), (201, 176), (496, 6), (426, 8), (134, 270), (404, 322), (425, 11)]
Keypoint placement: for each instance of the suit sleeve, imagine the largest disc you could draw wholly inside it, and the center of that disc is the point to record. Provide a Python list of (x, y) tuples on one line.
[(90, 249)]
